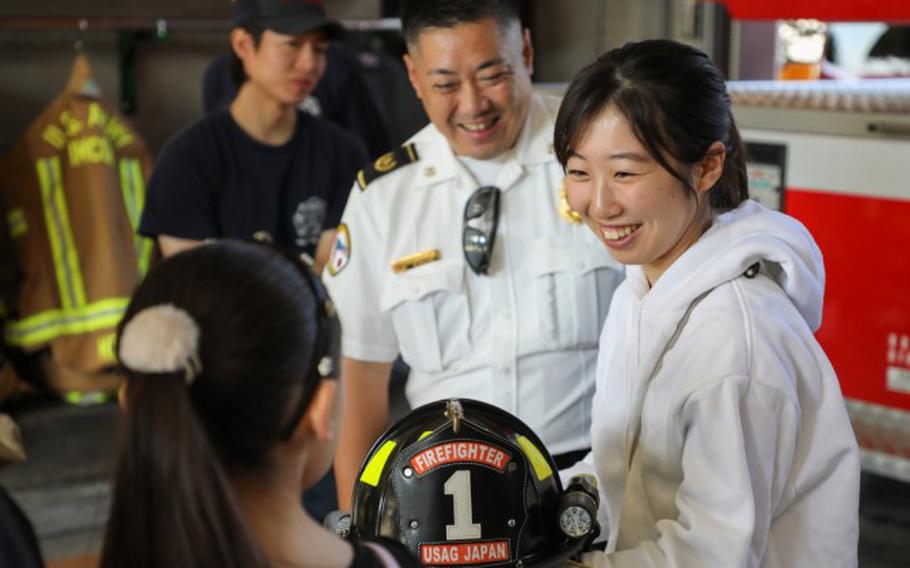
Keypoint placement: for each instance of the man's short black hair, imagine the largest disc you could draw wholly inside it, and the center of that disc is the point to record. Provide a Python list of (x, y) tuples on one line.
[(417, 15)]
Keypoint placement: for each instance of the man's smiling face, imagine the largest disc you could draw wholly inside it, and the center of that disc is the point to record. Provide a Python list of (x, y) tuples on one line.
[(474, 80)]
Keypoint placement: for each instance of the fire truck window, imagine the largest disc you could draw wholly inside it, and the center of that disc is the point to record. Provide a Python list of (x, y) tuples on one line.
[(871, 49)]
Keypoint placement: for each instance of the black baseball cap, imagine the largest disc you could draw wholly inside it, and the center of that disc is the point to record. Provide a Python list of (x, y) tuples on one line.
[(289, 17)]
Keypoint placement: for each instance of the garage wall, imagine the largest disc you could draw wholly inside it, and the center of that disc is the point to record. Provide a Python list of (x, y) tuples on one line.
[(35, 62)]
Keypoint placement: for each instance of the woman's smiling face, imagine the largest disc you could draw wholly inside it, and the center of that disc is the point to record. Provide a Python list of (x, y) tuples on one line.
[(639, 211)]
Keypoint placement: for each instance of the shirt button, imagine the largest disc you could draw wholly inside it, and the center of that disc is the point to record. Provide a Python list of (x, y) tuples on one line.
[(416, 290), (506, 316), (506, 370), (581, 265)]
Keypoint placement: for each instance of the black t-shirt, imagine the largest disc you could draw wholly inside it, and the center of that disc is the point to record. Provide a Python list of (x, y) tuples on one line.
[(213, 180)]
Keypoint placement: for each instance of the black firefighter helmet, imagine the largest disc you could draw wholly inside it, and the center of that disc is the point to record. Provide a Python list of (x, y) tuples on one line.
[(463, 483)]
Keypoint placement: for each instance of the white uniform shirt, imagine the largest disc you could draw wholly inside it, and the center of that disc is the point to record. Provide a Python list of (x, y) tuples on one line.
[(524, 337)]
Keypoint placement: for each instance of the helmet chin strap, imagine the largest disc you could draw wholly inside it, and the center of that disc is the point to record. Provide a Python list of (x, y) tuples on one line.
[(572, 548)]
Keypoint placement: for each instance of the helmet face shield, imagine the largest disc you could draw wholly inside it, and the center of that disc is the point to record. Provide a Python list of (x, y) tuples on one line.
[(461, 483)]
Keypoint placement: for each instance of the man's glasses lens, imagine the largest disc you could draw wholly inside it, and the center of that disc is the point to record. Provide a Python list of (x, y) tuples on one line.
[(481, 218), (480, 202)]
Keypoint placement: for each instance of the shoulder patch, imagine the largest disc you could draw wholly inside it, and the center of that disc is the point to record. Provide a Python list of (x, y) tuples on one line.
[(386, 163), (341, 250)]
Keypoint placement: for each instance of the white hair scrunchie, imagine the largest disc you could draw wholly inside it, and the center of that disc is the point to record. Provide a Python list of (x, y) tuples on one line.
[(161, 339)]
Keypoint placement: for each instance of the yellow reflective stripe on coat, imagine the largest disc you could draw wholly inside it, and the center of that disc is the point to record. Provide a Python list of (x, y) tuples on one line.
[(18, 226), (144, 245), (42, 327), (88, 398), (132, 184), (105, 348), (60, 234)]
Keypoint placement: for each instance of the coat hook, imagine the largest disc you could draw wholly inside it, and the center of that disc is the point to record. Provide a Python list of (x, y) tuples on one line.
[(79, 44)]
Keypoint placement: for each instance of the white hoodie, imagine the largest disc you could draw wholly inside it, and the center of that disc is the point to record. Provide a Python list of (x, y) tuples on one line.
[(720, 436)]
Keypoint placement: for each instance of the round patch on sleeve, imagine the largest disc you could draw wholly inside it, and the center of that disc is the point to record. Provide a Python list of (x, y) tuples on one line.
[(341, 250)]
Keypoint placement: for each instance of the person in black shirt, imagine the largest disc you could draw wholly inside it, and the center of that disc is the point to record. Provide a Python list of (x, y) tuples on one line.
[(260, 164), (343, 96)]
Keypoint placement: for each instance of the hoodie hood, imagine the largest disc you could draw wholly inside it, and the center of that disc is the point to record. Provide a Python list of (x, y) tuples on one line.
[(735, 241)]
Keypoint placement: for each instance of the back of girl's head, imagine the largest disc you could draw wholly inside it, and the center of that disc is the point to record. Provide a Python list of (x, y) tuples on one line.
[(218, 408), (675, 101)]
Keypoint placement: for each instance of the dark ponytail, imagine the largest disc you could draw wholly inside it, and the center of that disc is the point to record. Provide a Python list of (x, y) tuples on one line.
[(172, 503), (676, 102), (186, 432), (733, 185)]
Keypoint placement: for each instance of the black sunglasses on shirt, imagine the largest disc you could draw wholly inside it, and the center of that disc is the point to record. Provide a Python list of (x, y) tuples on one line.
[(480, 221)]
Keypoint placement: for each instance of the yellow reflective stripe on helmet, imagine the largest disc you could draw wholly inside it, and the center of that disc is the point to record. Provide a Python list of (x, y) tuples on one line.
[(132, 184), (424, 435), (373, 471), (45, 326), (538, 462), (60, 233)]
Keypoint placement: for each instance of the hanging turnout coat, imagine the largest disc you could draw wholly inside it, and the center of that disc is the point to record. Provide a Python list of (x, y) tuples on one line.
[(73, 190)]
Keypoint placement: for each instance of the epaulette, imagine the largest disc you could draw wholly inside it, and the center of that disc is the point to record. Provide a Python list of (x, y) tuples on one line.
[(386, 163)]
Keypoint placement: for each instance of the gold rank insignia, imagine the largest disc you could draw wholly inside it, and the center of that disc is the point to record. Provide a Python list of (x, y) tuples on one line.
[(565, 210), (386, 163), (414, 260)]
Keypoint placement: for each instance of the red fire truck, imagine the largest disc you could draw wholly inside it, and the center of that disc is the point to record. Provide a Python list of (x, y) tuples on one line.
[(836, 155)]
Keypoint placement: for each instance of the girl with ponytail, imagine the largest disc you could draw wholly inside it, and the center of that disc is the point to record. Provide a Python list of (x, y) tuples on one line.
[(228, 417)]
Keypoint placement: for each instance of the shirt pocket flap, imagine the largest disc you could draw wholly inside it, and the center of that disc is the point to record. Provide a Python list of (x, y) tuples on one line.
[(416, 283), (550, 257)]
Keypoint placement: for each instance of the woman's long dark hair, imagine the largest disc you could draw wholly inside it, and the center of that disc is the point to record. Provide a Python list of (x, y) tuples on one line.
[(676, 102), (173, 505)]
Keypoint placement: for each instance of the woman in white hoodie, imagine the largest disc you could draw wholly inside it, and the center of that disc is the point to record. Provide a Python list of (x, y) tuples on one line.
[(720, 436)]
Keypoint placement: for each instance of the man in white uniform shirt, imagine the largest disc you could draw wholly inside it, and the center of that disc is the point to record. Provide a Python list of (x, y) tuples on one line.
[(458, 252)]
